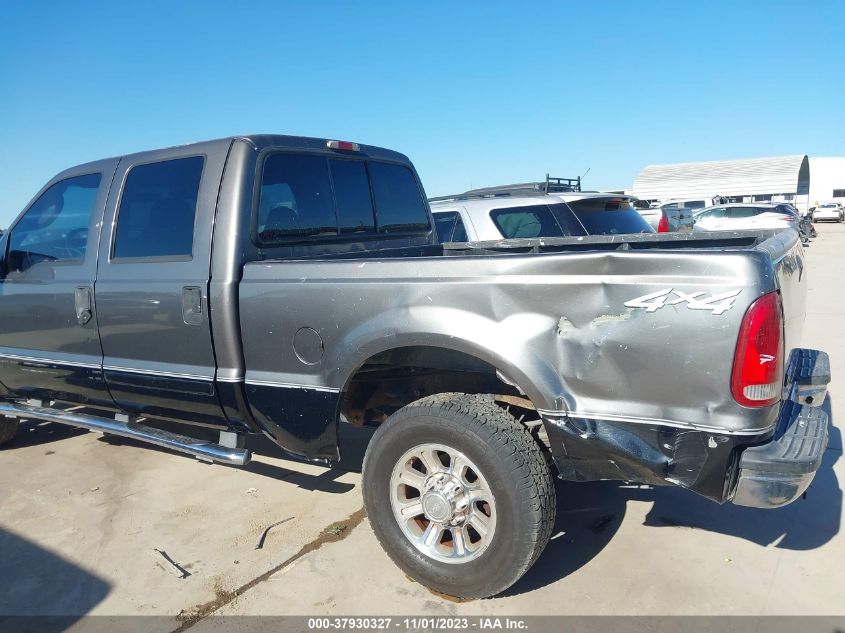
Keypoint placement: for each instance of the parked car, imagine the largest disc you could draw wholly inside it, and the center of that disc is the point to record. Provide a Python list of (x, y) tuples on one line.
[(672, 215), (805, 225), (828, 212), (740, 217), (477, 217), (294, 288)]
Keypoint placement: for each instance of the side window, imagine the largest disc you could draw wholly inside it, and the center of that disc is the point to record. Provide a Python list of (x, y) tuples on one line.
[(157, 209), (352, 193), (717, 213), (533, 221), (449, 227), (744, 212), (399, 204), (55, 228), (460, 233), (296, 198), (444, 224), (694, 204)]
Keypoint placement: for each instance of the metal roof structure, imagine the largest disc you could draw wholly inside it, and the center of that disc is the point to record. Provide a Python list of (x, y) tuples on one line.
[(748, 177)]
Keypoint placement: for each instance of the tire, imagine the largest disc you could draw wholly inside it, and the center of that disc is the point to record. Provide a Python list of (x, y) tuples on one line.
[(503, 484), (8, 428)]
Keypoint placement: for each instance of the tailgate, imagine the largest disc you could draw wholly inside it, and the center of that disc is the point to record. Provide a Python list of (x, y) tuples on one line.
[(787, 256)]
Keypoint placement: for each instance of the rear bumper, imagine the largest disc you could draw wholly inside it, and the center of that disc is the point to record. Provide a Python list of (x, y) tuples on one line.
[(778, 472)]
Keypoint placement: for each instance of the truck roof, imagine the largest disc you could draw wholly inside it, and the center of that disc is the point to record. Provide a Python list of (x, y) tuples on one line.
[(263, 141)]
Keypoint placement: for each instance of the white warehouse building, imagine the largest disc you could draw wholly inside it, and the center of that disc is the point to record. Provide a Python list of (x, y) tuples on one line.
[(803, 181)]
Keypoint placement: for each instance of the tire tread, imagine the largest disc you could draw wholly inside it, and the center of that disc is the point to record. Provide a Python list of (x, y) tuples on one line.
[(8, 429), (514, 444)]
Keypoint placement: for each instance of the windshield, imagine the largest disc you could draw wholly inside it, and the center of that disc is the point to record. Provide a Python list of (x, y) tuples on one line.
[(603, 216), (827, 206)]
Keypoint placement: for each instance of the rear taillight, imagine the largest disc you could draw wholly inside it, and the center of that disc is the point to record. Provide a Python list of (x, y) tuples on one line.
[(663, 225), (758, 359)]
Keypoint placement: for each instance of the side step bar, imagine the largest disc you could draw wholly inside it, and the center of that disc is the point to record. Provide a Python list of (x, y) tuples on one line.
[(133, 430)]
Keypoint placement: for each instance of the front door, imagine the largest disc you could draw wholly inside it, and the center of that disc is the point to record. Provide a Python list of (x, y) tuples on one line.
[(152, 285), (49, 348)]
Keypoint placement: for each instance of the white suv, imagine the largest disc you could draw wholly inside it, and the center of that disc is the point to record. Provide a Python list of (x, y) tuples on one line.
[(480, 217)]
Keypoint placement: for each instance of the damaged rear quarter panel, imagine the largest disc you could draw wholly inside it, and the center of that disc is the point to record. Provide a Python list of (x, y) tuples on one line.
[(554, 324)]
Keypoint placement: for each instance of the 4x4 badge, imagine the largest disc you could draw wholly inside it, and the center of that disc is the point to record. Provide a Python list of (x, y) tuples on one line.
[(717, 304)]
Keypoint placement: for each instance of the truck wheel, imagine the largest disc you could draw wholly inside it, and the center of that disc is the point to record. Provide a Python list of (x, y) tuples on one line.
[(8, 428), (459, 494)]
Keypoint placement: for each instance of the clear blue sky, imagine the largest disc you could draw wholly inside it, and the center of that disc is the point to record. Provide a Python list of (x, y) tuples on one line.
[(475, 93)]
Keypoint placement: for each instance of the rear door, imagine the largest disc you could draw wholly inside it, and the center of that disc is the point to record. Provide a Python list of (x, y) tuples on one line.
[(152, 284), (49, 348)]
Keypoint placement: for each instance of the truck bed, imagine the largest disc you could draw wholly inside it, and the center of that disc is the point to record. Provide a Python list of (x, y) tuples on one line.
[(558, 318)]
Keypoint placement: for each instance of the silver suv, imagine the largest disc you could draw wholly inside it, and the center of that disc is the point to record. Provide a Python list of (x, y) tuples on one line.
[(474, 217)]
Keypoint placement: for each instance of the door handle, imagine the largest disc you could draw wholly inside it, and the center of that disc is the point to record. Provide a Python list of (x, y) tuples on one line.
[(192, 305), (82, 300)]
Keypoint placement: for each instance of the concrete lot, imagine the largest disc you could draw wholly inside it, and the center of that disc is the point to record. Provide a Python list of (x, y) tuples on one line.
[(81, 518)]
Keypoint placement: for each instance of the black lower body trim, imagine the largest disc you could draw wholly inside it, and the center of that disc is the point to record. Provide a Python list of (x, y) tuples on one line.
[(302, 421), (702, 461)]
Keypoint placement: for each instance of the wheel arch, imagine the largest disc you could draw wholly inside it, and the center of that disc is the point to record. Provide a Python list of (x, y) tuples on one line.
[(533, 377)]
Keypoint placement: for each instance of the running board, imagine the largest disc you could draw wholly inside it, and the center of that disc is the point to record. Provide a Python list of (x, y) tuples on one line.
[(133, 430)]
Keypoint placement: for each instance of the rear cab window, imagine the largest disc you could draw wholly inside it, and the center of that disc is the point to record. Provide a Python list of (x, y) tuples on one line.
[(312, 197), (399, 203), (296, 198), (353, 197)]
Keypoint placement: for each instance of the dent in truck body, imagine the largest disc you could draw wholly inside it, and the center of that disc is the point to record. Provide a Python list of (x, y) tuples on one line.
[(703, 461), (593, 365), (558, 328)]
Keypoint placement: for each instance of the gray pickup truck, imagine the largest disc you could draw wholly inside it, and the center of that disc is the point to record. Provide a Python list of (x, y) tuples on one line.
[(294, 287)]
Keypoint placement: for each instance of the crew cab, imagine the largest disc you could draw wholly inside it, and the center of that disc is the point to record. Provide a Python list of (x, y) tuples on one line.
[(295, 288)]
